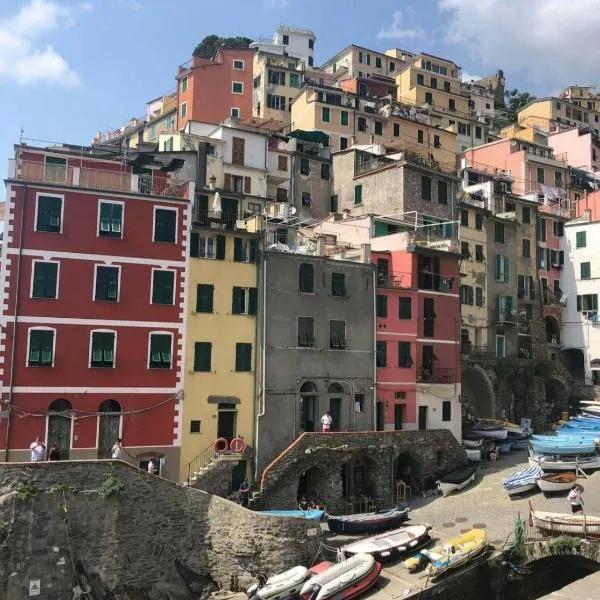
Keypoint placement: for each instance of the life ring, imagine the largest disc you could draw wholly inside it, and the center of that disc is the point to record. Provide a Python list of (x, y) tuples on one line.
[(220, 445), (237, 445)]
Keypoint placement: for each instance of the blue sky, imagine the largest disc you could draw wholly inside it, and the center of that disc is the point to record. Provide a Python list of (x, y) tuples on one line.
[(69, 67)]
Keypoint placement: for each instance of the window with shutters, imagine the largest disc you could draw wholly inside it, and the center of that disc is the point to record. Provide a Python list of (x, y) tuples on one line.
[(428, 98), (202, 246), (102, 352), (405, 360), (478, 221), (49, 211), (44, 282), (237, 87), (163, 286), (396, 129), (479, 256), (244, 301), (429, 317), (420, 136), (276, 102), (40, 351), (358, 194), (558, 228), (241, 250), (165, 225), (580, 239), (425, 187), (202, 357), (587, 302), (381, 306), (501, 268), (585, 270), (446, 410), (381, 354), (238, 146), (499, 233), (344, 118), (110, 219), (204, 298), (361, 124), (282, 163), (337, 335), (106, 288), (526, 211), (304, 166), (243, 357), (466, 295), (464, 217), (405, 308), (540, 175), (306, 274), (160, 351), (526, 248), (378, 128), (306, 332), (442, 192), (542, 227), (478, 296), (338, 284), (325, 114)]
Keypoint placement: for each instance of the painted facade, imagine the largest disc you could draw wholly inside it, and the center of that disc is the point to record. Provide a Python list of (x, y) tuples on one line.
[(580, 145), (85, 363)]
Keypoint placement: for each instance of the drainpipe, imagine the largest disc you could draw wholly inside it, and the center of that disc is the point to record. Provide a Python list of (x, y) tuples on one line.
[(374, 354), (256, 337), (14, 331), (262, 402)]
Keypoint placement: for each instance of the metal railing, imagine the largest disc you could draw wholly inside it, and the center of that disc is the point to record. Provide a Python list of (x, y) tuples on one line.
[(200, 462), (506, 316), (436, 375), (470, 350), (394, 280), (214, 220)]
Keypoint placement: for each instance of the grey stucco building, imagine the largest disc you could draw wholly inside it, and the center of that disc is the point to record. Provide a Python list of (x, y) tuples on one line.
[(317, 333)]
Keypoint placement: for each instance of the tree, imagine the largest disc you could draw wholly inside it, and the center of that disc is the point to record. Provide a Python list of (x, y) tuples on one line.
[(211, 43), (515, 101)]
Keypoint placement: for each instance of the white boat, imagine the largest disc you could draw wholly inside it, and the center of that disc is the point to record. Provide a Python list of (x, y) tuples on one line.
[(344, 580), (577, 524), (556, 482), (522, 481), (391, 543), (565, 463), (473, 454), (285, 585), (457, 479)]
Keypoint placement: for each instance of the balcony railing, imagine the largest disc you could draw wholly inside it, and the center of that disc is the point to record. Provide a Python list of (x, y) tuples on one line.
[(436, 375), (435, 281), (526, 295), (213, 220), (506, 316), (99, 179), (394, 280), (468, 349)]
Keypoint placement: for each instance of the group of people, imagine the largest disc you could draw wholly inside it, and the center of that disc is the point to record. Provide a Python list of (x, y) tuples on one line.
[(39, 452), (305, 504)]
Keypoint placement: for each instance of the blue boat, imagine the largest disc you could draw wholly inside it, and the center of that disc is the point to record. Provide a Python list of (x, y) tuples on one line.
[(505, 447), (522, 481), (558, 445), (313, 515), (566, 432)]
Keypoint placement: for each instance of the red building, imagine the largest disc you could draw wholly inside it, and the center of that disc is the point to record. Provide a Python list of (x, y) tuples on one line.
[(418, 335), (93, 269), (212, 90)]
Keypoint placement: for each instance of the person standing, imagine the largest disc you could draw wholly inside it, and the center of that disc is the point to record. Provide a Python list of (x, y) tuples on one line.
[(244, 493), (151, 466), (38, 450), (326, 422), (54, 452), (575, 499), (117, 449)]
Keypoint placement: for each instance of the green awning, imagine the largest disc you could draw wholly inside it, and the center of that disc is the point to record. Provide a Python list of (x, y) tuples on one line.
[(317, 137)]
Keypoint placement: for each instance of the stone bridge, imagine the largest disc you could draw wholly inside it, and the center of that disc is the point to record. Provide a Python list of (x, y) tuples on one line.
[(333, 467)]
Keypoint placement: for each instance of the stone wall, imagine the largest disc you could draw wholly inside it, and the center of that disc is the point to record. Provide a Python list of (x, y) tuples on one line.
[(430, 453), (154, 539)]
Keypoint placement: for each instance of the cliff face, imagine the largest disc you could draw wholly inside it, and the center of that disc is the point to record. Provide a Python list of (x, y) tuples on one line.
[(113, 531)]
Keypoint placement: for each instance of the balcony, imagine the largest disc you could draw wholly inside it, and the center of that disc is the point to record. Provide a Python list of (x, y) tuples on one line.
[(506, 316), (394, 280), (101, 179), (558, 160), (476, 200), (526, 295), (213, 220), (436, 375), (435, 281)]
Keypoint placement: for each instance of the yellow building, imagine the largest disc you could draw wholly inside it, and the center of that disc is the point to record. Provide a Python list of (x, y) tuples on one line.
[(220, 353), (353, 120), (569, 110), (531, 134)]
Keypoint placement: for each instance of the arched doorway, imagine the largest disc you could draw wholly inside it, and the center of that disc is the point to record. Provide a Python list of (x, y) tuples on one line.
[(575, 363), (336, 396), (357, 477), (552, 330), (312, 484), (309, 397), (109, 427), (477, 394), (60, 425)]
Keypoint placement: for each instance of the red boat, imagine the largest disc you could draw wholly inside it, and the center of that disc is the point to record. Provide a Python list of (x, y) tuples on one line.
[(343, 580)]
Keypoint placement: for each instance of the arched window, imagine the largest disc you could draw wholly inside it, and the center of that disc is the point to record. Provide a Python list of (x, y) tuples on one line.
[(60, 425), (109, 427), (309, 399), (335, 388)]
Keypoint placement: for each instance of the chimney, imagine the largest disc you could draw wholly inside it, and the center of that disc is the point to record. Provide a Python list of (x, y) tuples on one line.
[(321, 245)]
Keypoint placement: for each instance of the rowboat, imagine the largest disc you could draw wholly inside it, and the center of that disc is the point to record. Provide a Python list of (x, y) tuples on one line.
[(556, 482), (572, 524), (344, 580), (493, 431), (456, 551), (565, 463), (285, 585), (556, 445), (390, 544), (369, 522), (593, 411), (471, 440), (313, 515), (457, 479), (522, 481)]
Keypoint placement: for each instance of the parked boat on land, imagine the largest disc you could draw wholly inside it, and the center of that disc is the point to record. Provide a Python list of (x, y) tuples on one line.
[(590, 411), (493, 430), (279, 587), (390, 544), (557, 445), (570, 524), (369, 522), (471, 440), (456, 551), (556, 482), (522, 481), (343, 580), (505, 447), (313, 515), (565, 463), (457, 479), (473, 454)]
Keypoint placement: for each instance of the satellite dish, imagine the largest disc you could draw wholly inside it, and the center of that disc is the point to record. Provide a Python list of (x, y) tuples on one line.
[(293, 210)]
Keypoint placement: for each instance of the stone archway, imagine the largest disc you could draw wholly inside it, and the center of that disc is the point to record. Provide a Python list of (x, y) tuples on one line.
[(575, 362), (552, 329), (477, 393), (313, 484)]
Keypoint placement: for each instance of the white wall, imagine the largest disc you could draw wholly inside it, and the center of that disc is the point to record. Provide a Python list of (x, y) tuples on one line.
[(432, 396), (298, 42), (255, 148)]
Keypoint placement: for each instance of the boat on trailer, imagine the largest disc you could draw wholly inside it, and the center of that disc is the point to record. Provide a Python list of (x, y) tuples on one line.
[(369, 522), (390, 544), (556, 482), (280, 587), (457, 480)]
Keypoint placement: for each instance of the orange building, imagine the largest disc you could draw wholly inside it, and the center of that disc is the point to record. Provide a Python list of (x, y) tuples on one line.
[(212, 90)]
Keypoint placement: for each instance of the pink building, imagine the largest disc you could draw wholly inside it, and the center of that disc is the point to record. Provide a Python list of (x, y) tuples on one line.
[(580, 145), (589, 202)]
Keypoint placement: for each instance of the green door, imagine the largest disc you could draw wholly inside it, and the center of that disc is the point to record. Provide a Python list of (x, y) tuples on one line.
[(422, 417), (59, 430), (335, 408)]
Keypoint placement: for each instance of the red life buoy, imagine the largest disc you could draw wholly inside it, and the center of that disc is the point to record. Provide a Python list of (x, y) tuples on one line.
[(237, 445), (220, 445)]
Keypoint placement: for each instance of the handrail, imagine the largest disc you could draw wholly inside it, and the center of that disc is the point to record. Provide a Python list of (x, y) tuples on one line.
[(202, 460)]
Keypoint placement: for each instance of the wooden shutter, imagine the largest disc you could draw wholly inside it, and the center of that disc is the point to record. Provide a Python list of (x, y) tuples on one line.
[(506, 268), (238, 249), (220, 254), (253, 250), (202, 356), (236, 301), (238, 151), (247, 185), (195, 244), (227, 182), (252, 302)]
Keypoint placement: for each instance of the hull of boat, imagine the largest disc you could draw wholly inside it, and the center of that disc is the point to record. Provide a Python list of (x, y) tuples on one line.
[(588, 411), (549, 463), (493, 434), (447, 487), (578, 524), (466, 547), (521, 444), (473, 454), (313, 515), (285, 585), (391, 544), (562, 448), (472, 443), (527, 487), (506, 447), (368, 522), (557, 483)]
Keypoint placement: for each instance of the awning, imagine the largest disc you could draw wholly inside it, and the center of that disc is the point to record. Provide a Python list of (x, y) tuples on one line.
[(318, 137)]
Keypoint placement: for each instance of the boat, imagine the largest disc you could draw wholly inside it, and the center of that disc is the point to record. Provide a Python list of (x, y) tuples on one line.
[(313, 515), (456, 551), (471, 440), (565, 463), (522, 481), (457, 479), (557, 445), (492, 431), (391, 543), (279, 587), (572, 524), (369, 522), (556, 482), (590, 411), (344, 580), (473, 454)]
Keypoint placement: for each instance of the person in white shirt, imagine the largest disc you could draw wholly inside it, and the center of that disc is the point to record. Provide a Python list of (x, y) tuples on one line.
[(38, 450), (575, 499), (151, 467), (326, 422), (117, 448)]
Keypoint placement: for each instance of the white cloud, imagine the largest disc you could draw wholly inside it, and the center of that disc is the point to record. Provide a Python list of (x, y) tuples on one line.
[(399, 30), (550, 43), (22, 58), (467, 77), (275, 4)]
